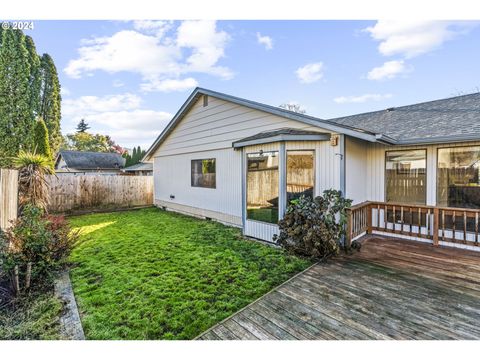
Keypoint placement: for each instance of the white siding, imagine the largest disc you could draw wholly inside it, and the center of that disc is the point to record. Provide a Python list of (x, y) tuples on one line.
[(356, 170), (172, 177), (208, 132), (327, 163), (219, 124), (375, 169)]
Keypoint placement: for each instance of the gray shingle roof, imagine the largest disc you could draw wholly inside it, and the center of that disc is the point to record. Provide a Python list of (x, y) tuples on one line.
[(140, 166), (91, 160), (456, 118), (283, 134)]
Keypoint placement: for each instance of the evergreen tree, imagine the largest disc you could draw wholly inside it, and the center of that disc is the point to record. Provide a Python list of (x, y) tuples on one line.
[(50, 100), (16, 122), (134, 156), (82, 126), (40, 139), (35, 81)]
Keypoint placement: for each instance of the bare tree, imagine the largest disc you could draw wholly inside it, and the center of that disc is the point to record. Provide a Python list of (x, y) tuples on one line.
[(293, 106)]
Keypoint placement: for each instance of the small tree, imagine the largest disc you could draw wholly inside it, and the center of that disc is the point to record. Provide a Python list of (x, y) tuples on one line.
[(40, 140), (82, 126), (32, 184)]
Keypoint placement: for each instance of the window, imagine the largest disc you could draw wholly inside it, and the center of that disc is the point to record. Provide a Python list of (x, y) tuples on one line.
[(262, 187), (458, 183), (300, 174), (405, 176), (204, 173)]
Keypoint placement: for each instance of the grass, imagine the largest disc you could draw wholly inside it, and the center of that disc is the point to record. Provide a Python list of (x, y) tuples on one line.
[(151, 274), (269, 215), (37, 318)]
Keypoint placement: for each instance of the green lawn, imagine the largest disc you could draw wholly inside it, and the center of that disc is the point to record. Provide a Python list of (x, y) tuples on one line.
[(37, 318), (151, 274)]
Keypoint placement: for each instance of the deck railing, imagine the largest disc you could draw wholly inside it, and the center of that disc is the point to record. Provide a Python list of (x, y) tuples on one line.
[(422, 222)]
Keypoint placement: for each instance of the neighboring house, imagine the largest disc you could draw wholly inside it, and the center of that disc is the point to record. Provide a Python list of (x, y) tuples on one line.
[(240, 162), (86, 162), (140, 169)]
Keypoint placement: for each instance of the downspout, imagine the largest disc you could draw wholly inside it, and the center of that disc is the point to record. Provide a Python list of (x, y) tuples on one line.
[(282, 184), (342, 164), (244, 190), (341, 154)]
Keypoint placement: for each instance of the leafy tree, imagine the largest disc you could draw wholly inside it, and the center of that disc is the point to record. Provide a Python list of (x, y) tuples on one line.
[(40, 140), (84, 141), (50, 100), (16, 116), (82, 126)]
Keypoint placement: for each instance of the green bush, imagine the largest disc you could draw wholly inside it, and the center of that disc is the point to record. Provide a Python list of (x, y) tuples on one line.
[(314, 228), (36, 241)]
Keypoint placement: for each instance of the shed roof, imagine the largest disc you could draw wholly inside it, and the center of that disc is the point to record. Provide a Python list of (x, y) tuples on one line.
[(140, 167), (88, 160)]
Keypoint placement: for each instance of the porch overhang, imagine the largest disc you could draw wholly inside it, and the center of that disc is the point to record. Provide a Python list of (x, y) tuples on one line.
[(280, 135)]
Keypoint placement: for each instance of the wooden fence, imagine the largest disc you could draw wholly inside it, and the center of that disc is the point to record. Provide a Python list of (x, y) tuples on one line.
[(8, 196), (70, 193)]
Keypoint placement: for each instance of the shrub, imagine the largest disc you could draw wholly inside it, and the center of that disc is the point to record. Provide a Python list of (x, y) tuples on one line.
[(36, 245), (314, 228), (33, 187)]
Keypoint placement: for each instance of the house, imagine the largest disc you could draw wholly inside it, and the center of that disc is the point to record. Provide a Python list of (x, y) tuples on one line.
[(86, 162), (140, 169), (411, 170)]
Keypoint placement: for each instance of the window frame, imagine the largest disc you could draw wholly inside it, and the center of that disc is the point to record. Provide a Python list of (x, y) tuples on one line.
[(246, 184), (191, 173), (385, 174), (314, 169), (453, 146)]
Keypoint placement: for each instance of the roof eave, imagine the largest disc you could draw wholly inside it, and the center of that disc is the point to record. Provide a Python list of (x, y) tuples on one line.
[(278, 138), (439, 140), (357, 133)]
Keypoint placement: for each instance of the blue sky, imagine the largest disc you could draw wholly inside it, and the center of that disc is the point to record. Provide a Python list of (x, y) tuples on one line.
[(127, 79)]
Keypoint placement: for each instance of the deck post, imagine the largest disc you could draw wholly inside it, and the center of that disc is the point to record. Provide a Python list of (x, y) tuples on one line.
[(369, 219), (348, 235), (435, 226)]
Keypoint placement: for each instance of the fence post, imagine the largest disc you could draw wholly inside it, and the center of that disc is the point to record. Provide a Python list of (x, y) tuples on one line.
[(435, 226)]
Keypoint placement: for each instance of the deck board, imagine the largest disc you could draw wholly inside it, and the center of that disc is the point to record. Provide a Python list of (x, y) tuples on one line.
[(391, 289)]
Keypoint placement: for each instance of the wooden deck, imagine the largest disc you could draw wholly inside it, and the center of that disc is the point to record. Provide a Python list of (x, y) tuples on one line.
[(391, 289)]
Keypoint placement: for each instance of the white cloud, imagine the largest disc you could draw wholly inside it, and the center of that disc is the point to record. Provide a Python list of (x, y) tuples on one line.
[(265, 40), (310, 73), (118, 83), (388, 70), (207, 46), (93, 104), (169, 85), (193, 47), (413, 38), (157, 27), (119, 116), (361, 98), (64, 91)]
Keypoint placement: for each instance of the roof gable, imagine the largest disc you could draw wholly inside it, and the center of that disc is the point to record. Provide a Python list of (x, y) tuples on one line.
[(302, 118)]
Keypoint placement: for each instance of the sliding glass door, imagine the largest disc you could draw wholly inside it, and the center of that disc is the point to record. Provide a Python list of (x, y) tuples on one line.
[(300, 174), (263, 186)]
